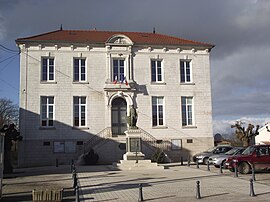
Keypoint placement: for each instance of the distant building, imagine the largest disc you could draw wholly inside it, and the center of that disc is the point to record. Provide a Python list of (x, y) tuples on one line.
[(76, 89), (264, 135)]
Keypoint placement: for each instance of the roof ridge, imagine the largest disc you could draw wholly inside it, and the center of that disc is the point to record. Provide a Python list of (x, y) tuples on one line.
[(106, 31)]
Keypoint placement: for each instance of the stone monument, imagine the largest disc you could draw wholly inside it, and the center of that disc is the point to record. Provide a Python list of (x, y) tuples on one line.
[(133, 138), (133, 159)]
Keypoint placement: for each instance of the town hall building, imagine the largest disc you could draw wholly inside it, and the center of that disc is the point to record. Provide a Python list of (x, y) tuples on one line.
[(77, 89)]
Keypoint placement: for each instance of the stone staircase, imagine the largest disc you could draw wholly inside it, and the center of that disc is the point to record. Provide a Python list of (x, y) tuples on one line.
[(147, 140), (105, 136)]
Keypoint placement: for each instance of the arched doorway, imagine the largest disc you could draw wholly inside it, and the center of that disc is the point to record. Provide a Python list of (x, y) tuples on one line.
[(119, 116)]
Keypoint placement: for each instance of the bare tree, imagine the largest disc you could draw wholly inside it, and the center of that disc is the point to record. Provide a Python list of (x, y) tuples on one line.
[(9, 112), (246, 136)]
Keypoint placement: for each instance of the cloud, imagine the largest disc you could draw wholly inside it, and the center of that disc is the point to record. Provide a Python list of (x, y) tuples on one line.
[(240, 83), (2, 28), (223, 126), (239, 29)]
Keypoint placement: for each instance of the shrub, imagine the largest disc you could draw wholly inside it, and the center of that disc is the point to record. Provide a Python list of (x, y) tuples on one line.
[(158, 156), (90, 158)]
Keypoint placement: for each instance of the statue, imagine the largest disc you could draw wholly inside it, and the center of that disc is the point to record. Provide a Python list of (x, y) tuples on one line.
[(132, 118), (245, 136), (11, 135)]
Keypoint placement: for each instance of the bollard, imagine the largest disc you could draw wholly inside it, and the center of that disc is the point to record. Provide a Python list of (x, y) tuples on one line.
[(197, 163), (75, 181), (72, 165), (56, 163), (140, 193), (77, 194), (198, 193), (73, 172), (235, 171), (208, 166), (253, 173), (182, 161), (252, 193), (220, 170)]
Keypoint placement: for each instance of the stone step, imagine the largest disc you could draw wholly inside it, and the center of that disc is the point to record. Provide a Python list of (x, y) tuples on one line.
[(132, 165)]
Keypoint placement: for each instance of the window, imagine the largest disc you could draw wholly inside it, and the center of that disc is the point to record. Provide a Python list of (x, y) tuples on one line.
[(79, 110), (176, 144), (59, 147), (156, 71), (189, 140), (118, 70), (47, 111), (79, 70), (187, 111), (47, 69), (64, 147), (185, 71), (157, 111)]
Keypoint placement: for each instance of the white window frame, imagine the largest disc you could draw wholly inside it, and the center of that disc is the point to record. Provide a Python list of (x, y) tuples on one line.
[(156, 75), (80, 106), (187, 117), (117, 78), (48, 72), (80, 70), (47, 111), (184, 71), (159, 112)]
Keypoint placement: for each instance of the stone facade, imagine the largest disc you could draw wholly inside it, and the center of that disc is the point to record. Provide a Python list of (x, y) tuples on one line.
[(64, 142)]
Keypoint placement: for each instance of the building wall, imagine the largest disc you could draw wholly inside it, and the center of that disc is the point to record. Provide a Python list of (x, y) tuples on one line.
[(98, 110), (264, 135)]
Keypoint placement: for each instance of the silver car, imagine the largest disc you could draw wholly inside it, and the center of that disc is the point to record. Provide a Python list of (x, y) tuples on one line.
[(219, 159), (202, 157)]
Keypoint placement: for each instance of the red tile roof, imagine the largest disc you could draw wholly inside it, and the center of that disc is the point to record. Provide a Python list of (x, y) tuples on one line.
[(93, 36)]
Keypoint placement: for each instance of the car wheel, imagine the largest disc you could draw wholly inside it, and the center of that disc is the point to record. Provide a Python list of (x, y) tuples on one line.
[(223, 164), (244, 168), (231, 169), (205, 160)]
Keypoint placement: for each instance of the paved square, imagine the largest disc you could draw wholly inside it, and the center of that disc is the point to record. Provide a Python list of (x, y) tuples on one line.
[(175, 184)]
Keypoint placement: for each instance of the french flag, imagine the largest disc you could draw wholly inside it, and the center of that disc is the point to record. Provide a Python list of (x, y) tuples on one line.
[(124, 80), (115, 80)]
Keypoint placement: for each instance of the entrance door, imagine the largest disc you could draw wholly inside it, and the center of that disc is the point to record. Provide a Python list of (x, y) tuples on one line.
[(119, 115)]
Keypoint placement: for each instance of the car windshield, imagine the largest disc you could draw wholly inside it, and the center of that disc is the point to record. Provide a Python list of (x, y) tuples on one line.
[(248, 150), (232, 151), (211, 149)]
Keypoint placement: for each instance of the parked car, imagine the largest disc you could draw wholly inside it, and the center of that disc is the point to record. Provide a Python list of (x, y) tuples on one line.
[(219, 159), (203, 157), (257, 156)]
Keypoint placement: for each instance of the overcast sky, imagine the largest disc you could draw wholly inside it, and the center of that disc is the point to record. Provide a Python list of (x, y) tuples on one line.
[(239, 29)]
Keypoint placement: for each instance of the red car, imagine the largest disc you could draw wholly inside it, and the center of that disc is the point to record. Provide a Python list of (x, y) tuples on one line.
[(257, 156)]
